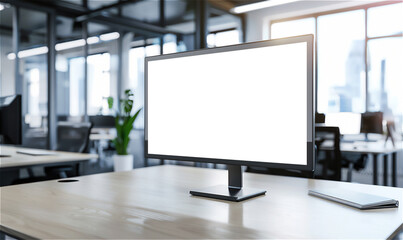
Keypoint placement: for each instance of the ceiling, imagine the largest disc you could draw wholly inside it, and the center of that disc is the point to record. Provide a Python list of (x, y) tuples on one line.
[(33, 23)]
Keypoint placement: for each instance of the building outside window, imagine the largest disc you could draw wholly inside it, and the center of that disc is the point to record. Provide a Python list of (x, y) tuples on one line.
[(359, 58)]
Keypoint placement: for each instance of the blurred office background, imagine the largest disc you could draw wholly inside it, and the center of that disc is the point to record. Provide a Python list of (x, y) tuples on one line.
[(66, 56)]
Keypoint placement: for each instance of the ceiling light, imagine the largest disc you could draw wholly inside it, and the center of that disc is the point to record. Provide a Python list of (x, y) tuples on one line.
[(32, 52), (1, 7), (92, 40), (11, 56), (109, 36), (70, 44), (260, 5)]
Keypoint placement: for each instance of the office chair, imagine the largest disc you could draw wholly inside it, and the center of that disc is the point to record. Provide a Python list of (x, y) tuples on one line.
[(102, 121), (330, 160), (71, 137), (328, 155)]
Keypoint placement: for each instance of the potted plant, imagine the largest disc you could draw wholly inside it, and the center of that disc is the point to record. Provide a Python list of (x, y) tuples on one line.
[(124, 120)]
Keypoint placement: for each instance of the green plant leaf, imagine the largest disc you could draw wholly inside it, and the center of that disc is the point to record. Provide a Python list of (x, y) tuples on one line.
[(124, 122), (110, 102)]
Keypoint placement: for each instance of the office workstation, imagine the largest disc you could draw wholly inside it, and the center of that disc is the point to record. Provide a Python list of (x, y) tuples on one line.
[(201, 119)]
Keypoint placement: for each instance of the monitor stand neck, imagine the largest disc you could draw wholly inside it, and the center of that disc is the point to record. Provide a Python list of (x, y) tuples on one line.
[(234, 177), (232, 192)]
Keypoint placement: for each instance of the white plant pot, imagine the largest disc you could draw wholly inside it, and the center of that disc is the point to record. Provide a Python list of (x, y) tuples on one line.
[(122, 162)]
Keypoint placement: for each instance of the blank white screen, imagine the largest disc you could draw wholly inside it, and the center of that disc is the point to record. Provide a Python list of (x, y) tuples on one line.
[(246, 105)]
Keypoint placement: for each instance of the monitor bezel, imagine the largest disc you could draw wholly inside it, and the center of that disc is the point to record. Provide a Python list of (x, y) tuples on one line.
[(310, 103)]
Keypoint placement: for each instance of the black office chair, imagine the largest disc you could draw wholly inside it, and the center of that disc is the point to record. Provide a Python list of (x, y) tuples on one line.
[(102, 121), (71, 137), (328, 155)]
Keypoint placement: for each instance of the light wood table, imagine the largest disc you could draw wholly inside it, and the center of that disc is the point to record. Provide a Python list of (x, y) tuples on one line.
[(154, 203), (14, 161)]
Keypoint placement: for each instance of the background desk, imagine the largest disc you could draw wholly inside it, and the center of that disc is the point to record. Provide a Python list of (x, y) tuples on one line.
[(376, 149), (11, 165), (154, 202)]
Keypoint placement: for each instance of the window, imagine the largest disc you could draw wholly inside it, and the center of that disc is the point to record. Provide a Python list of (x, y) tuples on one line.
[(169, 44), (223, 38), (76, 84), (136, 75), (351, 78), (293, 28), (341, 64), (385, 20), (385, 74), (99, 83)]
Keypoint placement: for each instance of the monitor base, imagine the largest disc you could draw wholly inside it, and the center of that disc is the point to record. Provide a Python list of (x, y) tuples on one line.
[(223, 192)]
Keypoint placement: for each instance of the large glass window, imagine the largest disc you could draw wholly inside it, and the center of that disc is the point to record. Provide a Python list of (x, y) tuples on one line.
[(7, 57), (385, 72), (33, 69), (347, 82), (293, 28), (70, 100), (223, 38), (99, 83), (385, 20), (341, 64), (76, 87), (136, 75)]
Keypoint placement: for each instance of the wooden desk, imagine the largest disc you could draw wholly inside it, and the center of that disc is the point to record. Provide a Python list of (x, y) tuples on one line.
[(376, 149), (154, 202), (18, 160)]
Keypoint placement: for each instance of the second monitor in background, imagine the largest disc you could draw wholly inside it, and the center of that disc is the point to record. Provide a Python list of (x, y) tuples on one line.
[(371, 122)]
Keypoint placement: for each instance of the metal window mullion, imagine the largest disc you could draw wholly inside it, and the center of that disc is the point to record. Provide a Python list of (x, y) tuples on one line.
[(51, 58), (162, 24), (366, 60), (316, 64), (16, 46), (85, 37)]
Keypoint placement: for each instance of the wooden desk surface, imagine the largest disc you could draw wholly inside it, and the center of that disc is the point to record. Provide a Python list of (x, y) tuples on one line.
[(21, 160), (154, 202)]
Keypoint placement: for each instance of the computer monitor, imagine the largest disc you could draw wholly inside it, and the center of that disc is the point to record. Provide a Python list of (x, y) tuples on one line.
[(371, 122), (248, 104), (10, 120)]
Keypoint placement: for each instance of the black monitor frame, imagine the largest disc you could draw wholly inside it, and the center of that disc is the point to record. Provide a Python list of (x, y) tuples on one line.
[(309, 167)]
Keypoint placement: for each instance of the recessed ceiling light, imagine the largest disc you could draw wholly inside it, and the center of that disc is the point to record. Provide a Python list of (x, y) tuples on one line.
[(109, 36), (70, 44), (92, 40), (32, 52), (260, 5)]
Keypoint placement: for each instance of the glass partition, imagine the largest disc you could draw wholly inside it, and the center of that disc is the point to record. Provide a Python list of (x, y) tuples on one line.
[(7, 57), (34, 72)]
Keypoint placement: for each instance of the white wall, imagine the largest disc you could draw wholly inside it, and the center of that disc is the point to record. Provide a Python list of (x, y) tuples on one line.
[(258, 22)]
